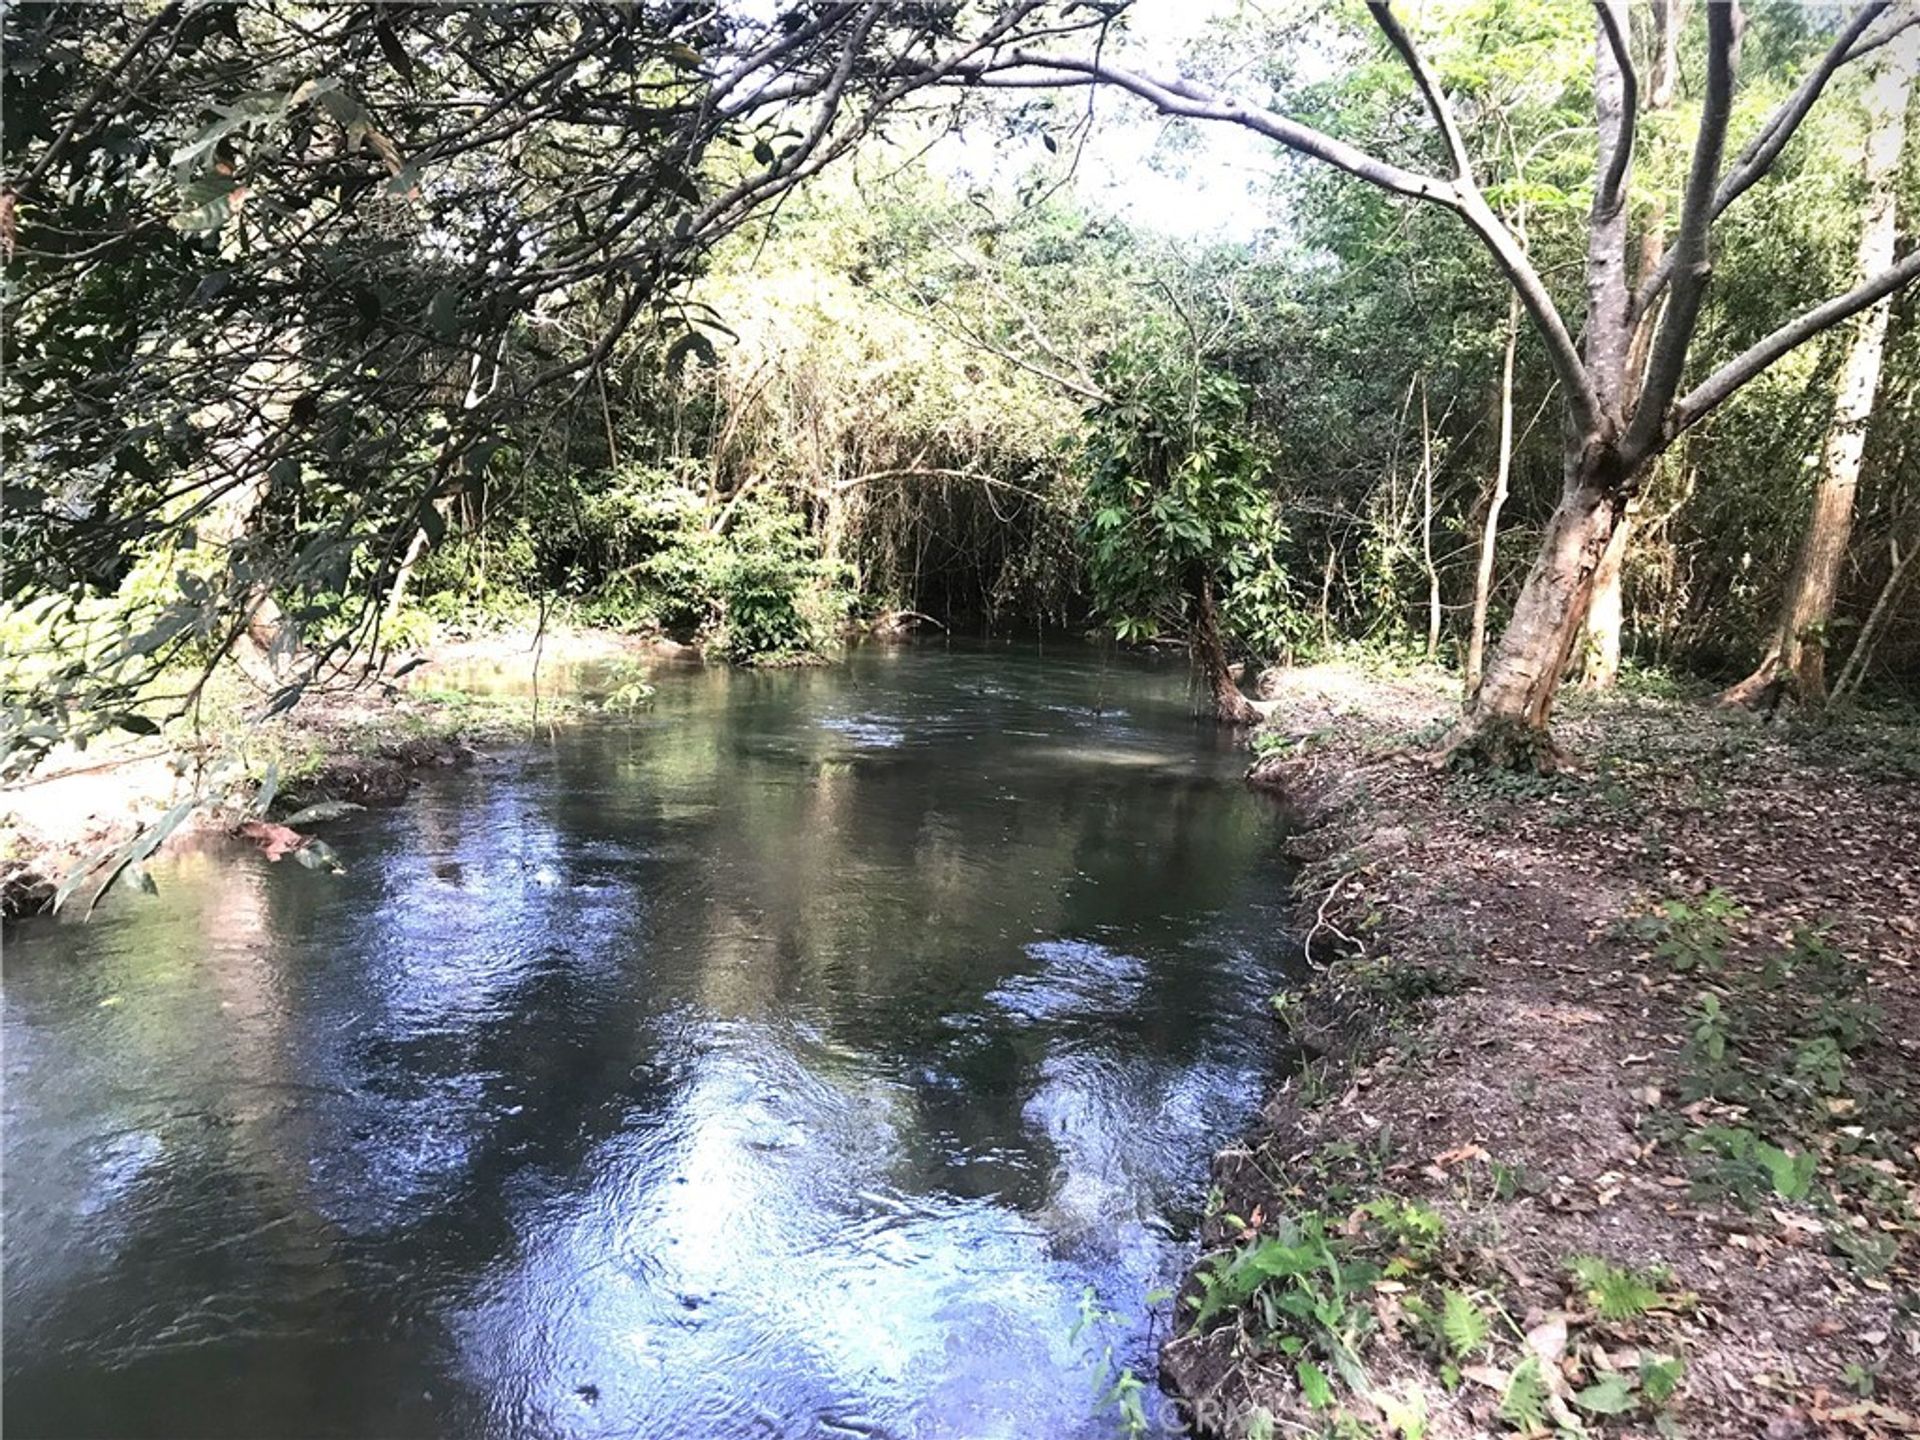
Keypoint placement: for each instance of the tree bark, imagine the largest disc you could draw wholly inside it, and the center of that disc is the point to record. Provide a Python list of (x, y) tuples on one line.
[(1507, 719), (1796, 649), (1230, 706), (1607, 610), (1490, 530)]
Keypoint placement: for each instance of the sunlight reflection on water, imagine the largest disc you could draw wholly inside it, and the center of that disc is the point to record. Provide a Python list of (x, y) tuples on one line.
[(783, 1061)]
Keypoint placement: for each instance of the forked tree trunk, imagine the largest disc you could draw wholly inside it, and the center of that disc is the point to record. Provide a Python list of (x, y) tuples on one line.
[(1606, 615), (1209, 654), (1796, 653)]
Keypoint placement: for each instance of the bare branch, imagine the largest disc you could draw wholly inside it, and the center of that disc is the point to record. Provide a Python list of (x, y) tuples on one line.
[(1721, 385), (1185, 98), (1903, 19), (1757, 157), (1692, 264), (1761, 151), (1612, 192), (1429, 85)]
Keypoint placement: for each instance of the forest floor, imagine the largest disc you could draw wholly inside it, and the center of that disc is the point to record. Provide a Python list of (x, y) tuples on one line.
[(360, 741), (1602, 1119)]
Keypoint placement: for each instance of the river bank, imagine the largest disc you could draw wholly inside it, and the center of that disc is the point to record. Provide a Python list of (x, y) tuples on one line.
[(361, 741), (1603, 1118)]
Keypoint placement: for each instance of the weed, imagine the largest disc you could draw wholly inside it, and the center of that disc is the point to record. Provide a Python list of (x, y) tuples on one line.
[(1692, 935), (1307, 1286), (1750, 1169), (1116, 1388), (1613, 1292)]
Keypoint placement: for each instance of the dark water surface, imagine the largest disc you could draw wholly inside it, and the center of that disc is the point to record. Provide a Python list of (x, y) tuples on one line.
[(784, 1061)]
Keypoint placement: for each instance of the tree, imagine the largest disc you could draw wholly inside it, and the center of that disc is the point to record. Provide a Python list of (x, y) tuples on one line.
[(1619, 415), (1606, 611), (1175, 498), (254, 252), (1795, 653)]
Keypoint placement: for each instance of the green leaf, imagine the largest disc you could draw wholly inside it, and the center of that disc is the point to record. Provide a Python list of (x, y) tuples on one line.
[(1613, 1292), (1660, 1377), (1462, 1323), (1524, 1406), (1609, 1395), (1315, 1385)]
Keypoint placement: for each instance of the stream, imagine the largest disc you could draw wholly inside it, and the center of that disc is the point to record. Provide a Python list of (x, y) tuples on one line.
[(798, 1056)]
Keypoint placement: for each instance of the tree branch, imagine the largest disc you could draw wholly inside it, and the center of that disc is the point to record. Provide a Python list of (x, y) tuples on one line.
[(1612, 192), (1693, 265), (1429, 85), (1759, 153), (1721, 385), (1186, 98)]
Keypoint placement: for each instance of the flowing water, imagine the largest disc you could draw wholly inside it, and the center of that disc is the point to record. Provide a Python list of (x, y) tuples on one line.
[(790, 1059)]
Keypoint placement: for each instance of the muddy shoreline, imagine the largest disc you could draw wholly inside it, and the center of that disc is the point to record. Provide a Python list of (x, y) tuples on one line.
[(1504, 1103)]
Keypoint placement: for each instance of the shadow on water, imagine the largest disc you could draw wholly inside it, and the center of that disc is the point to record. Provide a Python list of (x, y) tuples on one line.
[(787, 1061)]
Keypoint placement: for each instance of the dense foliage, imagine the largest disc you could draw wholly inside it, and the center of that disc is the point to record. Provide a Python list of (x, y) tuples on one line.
[(320, 333)]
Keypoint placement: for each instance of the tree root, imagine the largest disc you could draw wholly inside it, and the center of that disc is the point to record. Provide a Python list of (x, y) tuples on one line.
[(1500, 743)]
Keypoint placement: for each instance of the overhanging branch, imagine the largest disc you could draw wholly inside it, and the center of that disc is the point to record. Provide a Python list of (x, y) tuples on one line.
[(1429, 85), (1724, 382)]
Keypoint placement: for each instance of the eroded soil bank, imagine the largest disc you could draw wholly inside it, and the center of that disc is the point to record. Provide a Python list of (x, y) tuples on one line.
[(1605, 1120), (361, 740)]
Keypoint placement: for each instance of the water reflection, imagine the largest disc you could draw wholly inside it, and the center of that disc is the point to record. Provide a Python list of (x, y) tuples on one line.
[(783, 1062)]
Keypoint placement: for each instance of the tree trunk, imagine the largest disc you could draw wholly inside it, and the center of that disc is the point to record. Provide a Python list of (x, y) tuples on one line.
[(1855, 669), (1605, 612), (1210, 657), (1600, 660), (1506, 722), (1490, 531), (1426, 529), (1796, 654)]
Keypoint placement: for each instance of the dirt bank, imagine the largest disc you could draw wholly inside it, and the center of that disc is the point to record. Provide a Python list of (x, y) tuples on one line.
[(362, 741), (1604, 1122)]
